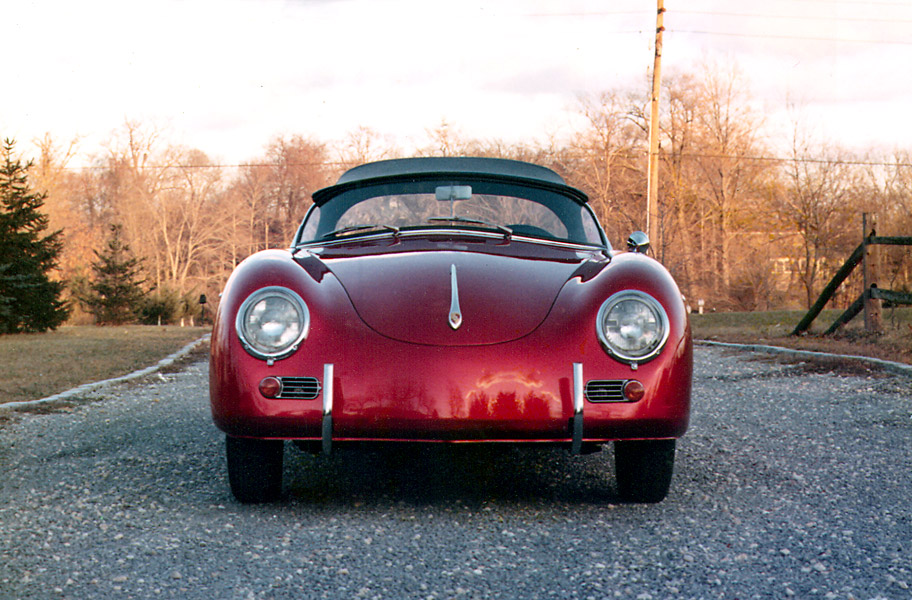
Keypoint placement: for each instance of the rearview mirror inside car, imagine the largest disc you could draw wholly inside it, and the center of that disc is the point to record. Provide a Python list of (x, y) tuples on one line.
[(447, 193)]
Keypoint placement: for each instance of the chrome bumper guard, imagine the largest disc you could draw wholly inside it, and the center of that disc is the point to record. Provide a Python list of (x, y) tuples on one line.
[(577, 433), (327, 408)]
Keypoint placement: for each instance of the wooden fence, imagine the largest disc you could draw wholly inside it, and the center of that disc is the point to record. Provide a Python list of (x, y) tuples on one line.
[(870, 298)]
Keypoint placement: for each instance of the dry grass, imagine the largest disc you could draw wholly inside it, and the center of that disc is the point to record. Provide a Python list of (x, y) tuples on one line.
[(774, 328), (34, 366)]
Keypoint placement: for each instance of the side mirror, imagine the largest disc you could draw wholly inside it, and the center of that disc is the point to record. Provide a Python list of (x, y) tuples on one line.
[(638, 242)]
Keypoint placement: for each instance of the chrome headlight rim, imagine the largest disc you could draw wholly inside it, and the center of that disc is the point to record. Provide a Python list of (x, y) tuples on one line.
[(258, 296), (652, 350)]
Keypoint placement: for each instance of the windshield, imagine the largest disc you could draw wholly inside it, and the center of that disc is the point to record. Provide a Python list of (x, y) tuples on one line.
[(511, 209)]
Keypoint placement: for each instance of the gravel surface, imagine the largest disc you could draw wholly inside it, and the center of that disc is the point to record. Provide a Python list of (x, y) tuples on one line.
[(790, 483)]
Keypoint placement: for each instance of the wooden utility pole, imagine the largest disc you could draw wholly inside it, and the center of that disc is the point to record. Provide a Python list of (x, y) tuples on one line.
[(652, 185)]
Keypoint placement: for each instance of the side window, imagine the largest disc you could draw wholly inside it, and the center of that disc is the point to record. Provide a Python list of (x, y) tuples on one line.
[(590, 227), (310, 227)]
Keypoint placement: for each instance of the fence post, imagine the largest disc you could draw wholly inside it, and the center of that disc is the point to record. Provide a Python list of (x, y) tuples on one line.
[(872, 313)]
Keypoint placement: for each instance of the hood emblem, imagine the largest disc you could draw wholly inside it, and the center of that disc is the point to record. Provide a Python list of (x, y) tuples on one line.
[(455, 313)]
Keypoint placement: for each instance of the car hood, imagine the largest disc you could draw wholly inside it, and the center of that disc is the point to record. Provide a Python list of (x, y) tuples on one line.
[(408, 296)]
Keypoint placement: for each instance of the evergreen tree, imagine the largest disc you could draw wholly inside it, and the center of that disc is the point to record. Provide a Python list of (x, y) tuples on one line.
[(115, 294), (29, 300)]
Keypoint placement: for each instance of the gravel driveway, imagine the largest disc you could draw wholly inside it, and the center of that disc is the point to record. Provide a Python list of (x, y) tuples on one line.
[(789, 483)]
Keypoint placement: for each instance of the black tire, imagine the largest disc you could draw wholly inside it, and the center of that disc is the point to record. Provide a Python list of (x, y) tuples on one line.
[(254, 468), (643, 469)]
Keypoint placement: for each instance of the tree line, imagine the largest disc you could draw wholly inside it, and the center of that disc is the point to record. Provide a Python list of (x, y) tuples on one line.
[(745, 222)]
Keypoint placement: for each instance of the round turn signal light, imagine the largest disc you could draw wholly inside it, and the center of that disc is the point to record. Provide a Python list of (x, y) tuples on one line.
[(271, 387), (634, 390)]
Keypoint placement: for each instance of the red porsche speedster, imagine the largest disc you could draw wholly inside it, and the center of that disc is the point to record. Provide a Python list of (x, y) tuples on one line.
[(451, 300)]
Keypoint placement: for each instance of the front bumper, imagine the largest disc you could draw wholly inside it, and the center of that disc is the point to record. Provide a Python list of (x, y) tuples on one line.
[(376, 389)]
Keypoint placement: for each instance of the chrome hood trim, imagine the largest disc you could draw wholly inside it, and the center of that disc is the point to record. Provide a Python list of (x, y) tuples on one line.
[(455, 314)]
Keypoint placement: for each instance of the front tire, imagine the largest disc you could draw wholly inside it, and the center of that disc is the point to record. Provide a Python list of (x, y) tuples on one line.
[(254, 468), (643, 469)]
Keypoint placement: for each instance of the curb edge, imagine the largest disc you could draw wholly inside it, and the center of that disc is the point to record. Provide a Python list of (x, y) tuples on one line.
[(887, 365)]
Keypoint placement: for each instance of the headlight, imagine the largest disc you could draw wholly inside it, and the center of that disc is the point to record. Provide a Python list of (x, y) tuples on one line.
[(632, 326), (272, 322)]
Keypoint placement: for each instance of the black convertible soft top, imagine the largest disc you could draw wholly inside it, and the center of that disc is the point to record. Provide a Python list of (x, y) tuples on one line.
[(424, 168), (463, 164)]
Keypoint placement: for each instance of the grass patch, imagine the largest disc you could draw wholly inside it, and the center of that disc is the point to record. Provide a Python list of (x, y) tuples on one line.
[(38, 365), (775, 327), (766, 324)]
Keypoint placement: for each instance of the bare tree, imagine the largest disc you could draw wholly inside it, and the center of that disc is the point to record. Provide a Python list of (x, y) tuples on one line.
[(365, 145), (248, 211), (67, 207), (815, 205), (135, 177), (606, 161), (187, 222), (298, 167), (888, 191), (166, 198), (727, 148), (444, 140), (725, 217)]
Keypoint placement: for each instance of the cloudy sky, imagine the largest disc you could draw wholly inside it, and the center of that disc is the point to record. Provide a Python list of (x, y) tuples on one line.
[(226, 76)]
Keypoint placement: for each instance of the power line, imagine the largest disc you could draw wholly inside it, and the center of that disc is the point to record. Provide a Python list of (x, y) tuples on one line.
[(789, 37), (772, 159), (815, 18), (588, 14), (329, 163), (646, 13), (337, 164), (819, 161), (852, 2)]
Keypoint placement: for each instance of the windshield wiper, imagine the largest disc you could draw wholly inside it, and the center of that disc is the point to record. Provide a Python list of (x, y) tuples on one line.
[(504, 230), (360, 228)]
